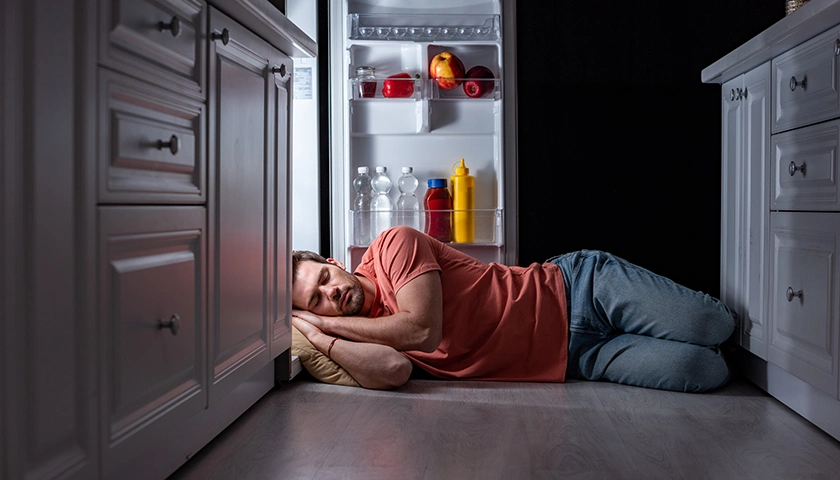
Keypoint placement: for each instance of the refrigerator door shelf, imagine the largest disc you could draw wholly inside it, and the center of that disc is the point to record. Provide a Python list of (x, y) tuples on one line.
[(423, 27), (487, 89), (488, 223), (379, 88)]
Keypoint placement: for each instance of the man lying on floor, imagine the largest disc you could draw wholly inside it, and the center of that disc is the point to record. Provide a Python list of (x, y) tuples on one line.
[(414, 301)]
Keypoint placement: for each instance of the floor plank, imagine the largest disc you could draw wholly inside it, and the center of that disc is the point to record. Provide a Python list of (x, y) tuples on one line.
[(434, 430)]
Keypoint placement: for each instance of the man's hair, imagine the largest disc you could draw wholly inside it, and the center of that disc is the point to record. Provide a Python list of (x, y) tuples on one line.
[(303, 256)]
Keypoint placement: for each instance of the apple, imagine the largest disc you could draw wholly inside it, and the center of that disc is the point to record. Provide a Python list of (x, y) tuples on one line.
[(475, 88), (447, 70)]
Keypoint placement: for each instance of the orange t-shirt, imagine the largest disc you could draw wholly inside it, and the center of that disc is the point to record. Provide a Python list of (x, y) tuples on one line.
[(499, 322)]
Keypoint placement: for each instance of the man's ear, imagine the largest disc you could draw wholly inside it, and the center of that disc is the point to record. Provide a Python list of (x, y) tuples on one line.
[(337, 263)]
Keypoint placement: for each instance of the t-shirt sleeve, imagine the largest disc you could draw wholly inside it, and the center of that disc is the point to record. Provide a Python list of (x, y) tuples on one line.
[(404, 254)]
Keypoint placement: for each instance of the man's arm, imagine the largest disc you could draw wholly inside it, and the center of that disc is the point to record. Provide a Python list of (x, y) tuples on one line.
[(373, 365), (417, 326)]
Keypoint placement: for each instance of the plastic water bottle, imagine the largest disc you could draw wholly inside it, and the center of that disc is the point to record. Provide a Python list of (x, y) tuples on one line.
[(381, 204), (361, 208), (408, 207)]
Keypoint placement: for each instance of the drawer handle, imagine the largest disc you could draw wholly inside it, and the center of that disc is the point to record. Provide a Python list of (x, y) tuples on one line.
[(173, 26), (224, 36), (794, 83), (792, 168), (174, 323), (790, 294), (737, 94), (174, 144)]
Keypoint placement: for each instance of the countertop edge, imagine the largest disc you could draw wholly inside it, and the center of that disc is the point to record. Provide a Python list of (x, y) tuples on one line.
[(807, 21), (268, 22)]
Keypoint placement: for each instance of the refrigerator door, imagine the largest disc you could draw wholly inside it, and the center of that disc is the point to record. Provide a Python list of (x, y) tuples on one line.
[(423, 108)]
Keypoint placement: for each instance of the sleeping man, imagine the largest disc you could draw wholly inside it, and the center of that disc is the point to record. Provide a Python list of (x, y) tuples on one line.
[(416, 302)]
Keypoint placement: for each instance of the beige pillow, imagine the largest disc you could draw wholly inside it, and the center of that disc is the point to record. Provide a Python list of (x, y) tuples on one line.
[(317, 364)]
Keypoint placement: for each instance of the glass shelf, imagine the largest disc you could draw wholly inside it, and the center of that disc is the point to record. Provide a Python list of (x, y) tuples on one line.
[(423, 28)]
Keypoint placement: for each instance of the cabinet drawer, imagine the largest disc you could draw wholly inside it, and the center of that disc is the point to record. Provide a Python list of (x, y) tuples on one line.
[(160, 41), (805, 294), (805, 168), (151, 144), (806, 83), (152, 279)]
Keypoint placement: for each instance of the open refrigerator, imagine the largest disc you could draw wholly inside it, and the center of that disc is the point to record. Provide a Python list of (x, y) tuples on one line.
[(433, 128)]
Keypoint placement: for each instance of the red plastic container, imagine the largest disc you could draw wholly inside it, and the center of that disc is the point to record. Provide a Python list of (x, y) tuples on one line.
[(438, 206)]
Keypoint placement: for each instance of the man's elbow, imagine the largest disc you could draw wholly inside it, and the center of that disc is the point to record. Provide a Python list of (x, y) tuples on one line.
[(430, 340), (393, 373)]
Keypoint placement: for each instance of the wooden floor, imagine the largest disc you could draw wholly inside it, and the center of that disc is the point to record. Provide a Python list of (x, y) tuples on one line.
[(486, 430)]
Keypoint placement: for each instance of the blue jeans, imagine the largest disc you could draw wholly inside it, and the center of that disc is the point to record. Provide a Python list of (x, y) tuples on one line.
[(631, 326)]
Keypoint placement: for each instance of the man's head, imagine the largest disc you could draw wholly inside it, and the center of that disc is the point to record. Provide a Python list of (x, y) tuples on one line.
[(322, 286)]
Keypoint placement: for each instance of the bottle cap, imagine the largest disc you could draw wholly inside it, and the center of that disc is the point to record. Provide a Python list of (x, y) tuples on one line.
[(407, 169), (461, 169), (380, 168), (363, 169), (436, 183)]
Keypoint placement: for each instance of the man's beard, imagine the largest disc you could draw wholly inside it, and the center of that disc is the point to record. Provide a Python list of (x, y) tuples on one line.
[(356, 302)]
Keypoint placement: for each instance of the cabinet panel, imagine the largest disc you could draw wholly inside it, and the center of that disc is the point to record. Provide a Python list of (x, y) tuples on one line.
[(243, 100), (152, 271), (805, 294), (281, 264), (160, 41), (805, 168), (744, 203), (151, 144), (806, 82)]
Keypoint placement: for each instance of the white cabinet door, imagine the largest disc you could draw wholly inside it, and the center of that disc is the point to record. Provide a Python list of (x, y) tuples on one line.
[(245, 203), (744, 203), (806, 296)]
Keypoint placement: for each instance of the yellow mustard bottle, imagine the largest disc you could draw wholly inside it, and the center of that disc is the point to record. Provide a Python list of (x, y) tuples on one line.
[(463, 204)]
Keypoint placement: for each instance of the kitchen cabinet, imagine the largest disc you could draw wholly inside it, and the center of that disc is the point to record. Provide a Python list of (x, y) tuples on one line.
[(745, 125), (145, 242), (790, 195), (249, 123)]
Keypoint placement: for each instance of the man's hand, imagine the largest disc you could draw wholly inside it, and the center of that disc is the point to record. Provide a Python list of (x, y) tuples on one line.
[(372, 365), (309, 317)]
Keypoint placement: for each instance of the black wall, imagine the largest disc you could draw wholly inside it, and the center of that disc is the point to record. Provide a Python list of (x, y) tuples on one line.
[(619, 140)]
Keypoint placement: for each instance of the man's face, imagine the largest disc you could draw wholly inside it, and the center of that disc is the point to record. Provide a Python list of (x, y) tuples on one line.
[(326, 289)]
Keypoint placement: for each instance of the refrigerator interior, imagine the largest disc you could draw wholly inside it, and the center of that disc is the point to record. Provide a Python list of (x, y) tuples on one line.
[(432, 129)]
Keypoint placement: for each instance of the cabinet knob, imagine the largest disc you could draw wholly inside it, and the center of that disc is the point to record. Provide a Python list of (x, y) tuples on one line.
[(174, 26), (837, 48), (224, 36), (790, 294), (174, 323), (281, 70), (792, 168), (732, 95), (174, 144), (794, 83)]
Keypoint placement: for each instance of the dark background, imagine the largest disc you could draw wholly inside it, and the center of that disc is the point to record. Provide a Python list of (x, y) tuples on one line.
[(619, 140)]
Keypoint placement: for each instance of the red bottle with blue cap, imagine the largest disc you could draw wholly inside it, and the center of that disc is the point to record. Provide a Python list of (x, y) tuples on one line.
[(438, 205)]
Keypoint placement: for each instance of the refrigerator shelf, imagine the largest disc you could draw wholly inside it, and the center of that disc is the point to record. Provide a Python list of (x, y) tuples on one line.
[(423, 27), (373, 89), (490, 86), (488, 223), (370, 89)]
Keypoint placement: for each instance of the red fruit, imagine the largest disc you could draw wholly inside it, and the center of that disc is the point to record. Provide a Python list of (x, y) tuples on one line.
[(447, 70), (478, 88)]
